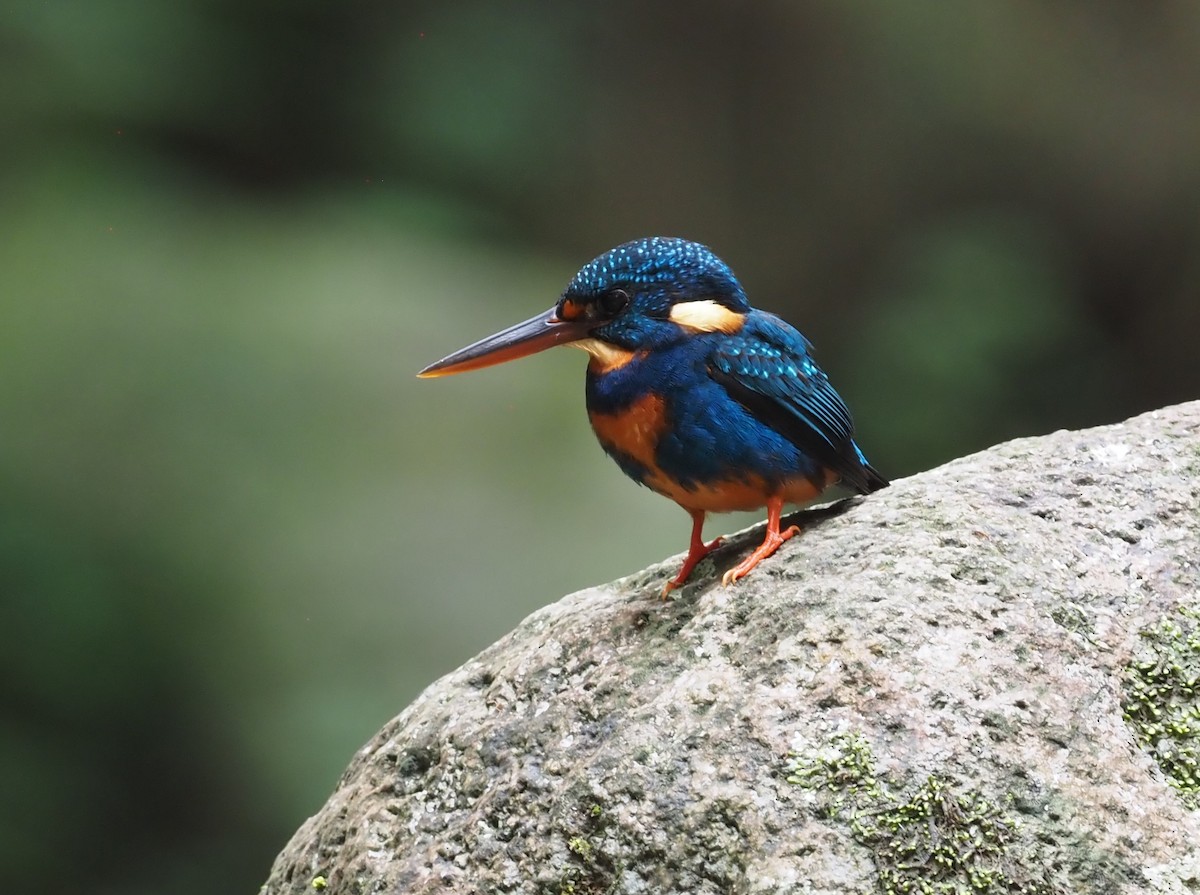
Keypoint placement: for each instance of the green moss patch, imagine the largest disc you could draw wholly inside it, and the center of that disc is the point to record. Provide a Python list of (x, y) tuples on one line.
[(1162, 699), (932, 838), (845, 769), (588, 870)]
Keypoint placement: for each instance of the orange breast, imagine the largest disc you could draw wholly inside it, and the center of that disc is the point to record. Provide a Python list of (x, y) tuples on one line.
[(635, 432)]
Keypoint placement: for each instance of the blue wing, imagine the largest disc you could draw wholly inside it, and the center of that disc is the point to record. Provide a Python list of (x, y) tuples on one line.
[(767, 368)]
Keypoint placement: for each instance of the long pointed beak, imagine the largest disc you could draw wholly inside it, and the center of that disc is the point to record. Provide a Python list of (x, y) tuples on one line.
[(529, 337)]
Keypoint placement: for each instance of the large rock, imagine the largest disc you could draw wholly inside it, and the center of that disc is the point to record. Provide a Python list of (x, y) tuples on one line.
[(982, 679)]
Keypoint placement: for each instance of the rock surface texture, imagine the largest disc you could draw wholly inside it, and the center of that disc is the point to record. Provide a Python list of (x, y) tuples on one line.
[(982, 679)]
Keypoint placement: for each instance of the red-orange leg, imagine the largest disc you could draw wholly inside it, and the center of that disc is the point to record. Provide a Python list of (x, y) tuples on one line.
[(697, 550), (772, 542)]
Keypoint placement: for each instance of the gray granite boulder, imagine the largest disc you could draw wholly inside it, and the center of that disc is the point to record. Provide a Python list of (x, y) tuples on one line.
[(984, 679)]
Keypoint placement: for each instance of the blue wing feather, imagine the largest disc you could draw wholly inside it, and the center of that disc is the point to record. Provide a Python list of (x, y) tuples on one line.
[(767, 368)]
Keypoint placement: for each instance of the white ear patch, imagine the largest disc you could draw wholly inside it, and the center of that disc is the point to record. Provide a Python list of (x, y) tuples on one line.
[(706, 316)]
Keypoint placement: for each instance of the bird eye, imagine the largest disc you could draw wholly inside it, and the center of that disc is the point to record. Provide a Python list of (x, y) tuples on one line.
[(613, 302)]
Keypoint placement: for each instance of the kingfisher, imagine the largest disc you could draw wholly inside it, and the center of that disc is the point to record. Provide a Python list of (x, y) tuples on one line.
[(694, 393)]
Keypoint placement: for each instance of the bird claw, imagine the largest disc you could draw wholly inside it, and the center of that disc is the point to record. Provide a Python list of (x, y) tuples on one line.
[(693, 559), (772, 542)]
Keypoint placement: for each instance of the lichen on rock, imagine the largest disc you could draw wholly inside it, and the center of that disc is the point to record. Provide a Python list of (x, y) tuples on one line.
[(1162, 698), (932, 837)]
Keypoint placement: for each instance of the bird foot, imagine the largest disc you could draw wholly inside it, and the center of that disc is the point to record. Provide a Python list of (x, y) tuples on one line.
[(773, 541), (696, 553)]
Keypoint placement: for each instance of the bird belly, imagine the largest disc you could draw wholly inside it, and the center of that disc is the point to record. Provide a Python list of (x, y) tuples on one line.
[(631, 436), (728, 495)]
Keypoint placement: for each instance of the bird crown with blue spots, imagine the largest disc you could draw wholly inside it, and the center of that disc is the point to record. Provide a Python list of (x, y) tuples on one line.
[(690, 269)]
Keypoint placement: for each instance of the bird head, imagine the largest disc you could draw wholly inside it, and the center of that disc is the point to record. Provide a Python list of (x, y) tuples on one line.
[(642, 295)]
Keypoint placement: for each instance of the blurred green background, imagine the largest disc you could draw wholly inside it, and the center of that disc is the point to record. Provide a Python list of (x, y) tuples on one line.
[(237, 534)]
